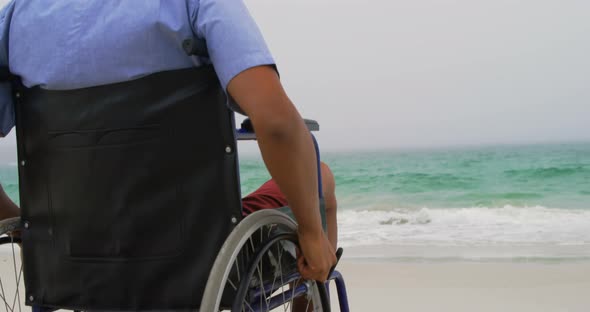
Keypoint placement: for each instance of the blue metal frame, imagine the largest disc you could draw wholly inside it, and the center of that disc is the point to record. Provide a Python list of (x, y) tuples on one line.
[(302, 289), (341, 290)]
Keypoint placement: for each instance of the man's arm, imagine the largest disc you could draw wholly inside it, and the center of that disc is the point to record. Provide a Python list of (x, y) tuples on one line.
[(6, 105), (287, 149), (8, 208)]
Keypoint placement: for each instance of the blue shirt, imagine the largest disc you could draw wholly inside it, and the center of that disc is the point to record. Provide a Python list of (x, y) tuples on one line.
[(71, 44)]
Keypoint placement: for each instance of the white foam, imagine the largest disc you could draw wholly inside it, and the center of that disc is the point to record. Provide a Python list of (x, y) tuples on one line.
[(477, 226)]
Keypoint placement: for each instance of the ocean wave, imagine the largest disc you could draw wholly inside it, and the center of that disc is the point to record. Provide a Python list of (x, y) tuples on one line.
[(477, 226)]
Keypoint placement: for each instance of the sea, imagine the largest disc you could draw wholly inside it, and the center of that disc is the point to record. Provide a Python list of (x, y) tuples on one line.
[(477, 203)]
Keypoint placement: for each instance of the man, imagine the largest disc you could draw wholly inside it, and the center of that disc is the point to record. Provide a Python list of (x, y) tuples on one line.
[(65, 45), (8, 209)]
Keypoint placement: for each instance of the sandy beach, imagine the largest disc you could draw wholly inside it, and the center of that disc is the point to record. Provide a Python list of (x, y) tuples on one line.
[(382, 285), (375, 285)]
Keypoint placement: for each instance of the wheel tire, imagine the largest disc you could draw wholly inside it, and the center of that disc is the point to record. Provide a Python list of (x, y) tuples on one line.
[(228, 255), (12, 295)]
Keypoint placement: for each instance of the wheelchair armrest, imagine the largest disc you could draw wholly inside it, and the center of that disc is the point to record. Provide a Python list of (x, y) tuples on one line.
[(312, 125), (246, 131)]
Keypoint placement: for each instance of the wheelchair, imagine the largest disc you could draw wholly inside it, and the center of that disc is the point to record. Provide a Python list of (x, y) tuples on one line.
[(252, 244), (101, 232)]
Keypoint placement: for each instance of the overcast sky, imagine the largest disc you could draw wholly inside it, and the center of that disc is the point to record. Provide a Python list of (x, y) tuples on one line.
[(389, 74)]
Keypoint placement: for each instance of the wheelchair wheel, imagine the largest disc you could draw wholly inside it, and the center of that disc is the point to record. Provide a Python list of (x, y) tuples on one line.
[(12, 295), (256, 269)]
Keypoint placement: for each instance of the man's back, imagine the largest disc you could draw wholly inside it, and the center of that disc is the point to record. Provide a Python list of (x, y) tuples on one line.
[(73, 44), (63, 45)]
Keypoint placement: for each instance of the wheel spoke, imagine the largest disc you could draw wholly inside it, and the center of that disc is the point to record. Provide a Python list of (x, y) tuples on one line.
[(249, 306), (307, 306), (238, 269), (20, 273), (16, 278), (259, 269), (232, 284), (11, 301), (293, 286), (3, 295), (252, 244), (277, 266), (281, 274), (270, 228), (5, 303)]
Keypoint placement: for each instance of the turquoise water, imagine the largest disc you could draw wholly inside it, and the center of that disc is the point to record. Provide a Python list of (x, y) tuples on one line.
[(9, 180), (495, 197), (547, 175), (550, 175)]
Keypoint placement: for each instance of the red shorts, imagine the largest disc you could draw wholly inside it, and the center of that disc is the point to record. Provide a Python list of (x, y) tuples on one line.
[(267, 196)]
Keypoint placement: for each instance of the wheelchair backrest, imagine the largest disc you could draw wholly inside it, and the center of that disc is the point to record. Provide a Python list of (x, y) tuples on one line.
[(127, 190)]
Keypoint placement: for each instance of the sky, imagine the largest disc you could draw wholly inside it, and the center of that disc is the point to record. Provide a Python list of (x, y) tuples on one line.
[(382, 74)]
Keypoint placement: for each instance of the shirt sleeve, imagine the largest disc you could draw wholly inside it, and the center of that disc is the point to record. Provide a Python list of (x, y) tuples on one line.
[(233, 38), (6, 103)]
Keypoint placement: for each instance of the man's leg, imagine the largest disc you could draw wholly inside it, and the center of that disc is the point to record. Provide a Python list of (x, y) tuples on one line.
[(269, 196), (329, 189), (8, 208)]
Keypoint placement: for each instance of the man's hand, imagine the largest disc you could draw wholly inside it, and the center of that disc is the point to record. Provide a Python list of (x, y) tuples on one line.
[(288, 151), (317, 257)]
